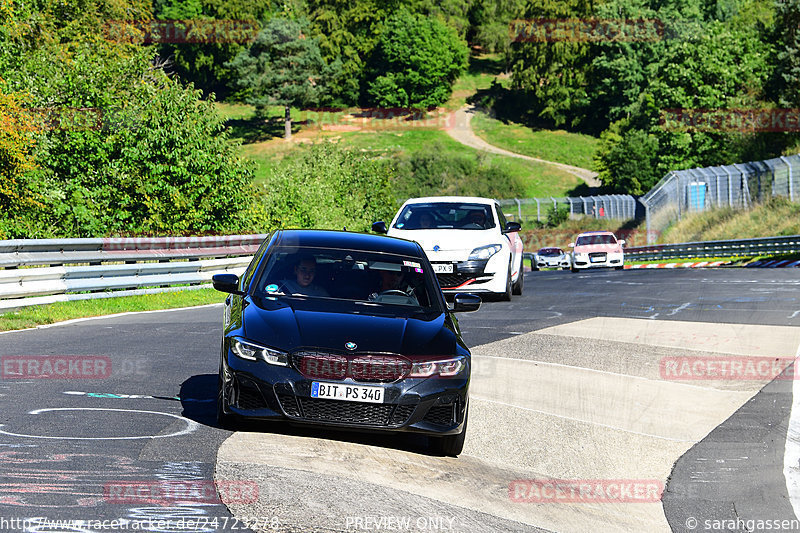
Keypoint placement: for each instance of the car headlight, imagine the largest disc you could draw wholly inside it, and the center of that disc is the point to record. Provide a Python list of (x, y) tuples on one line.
[(443, 367), (253, 352), (484, 252)]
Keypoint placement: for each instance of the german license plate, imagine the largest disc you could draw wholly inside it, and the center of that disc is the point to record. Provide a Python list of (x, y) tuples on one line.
[(348, 393), (597, 259), (443, 268)]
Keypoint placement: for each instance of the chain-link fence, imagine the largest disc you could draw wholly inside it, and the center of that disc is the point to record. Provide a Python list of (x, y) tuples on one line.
[(736, 186), (612, 206)]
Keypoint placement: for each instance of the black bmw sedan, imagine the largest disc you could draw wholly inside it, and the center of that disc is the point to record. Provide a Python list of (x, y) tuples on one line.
[(348, 330)]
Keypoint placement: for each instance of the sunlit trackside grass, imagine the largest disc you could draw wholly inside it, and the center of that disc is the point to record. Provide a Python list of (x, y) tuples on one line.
[(48, 314), (773, 218), (538, 179), (574, 149)]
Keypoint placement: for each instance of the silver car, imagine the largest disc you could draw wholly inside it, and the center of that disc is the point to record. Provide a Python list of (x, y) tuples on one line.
[(551, 258)]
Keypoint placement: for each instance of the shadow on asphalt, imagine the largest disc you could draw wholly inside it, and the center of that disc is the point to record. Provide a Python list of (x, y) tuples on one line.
[(198, 398)]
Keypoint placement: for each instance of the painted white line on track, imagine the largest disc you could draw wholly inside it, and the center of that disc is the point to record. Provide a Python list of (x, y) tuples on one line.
[(191, 425), (791, 457), (84, 319)]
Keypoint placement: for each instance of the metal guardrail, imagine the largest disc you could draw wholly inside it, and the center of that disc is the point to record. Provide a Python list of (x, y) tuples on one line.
[(739, 247), (34, 271)]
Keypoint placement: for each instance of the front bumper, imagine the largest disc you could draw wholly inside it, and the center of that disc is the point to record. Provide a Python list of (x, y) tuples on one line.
[(257, 390), (472, 276), (548, 262), (598, 260)]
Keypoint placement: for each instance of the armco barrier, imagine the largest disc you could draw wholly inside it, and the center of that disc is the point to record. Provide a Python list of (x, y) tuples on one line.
[(739, 247), (117, 264)]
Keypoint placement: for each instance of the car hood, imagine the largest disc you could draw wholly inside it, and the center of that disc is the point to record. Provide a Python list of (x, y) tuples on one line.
[(450, 239), (289, 325), (589, 248)]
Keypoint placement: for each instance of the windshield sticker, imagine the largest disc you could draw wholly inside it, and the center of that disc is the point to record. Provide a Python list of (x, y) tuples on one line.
[(271, 288), (418, 270), (411, 264)]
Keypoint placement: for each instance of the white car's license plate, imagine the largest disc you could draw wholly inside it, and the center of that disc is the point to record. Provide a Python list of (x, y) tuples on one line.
[(443, 268), (349, 393), (597, 259)]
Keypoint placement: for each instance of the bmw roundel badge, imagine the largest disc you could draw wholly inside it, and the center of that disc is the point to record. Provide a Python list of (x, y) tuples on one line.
[(350, 345), (435, 247)]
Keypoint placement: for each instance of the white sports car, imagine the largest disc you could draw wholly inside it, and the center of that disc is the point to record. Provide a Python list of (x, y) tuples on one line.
[(551, 258), (469, 242)]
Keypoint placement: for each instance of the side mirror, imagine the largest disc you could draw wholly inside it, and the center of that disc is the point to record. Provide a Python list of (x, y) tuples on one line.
[(226, 283), (511, 227), (572, 245), (464, 302), (621, 242), (379, 227)]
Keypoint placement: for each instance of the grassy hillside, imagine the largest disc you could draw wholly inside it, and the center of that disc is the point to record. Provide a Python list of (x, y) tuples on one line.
[(557, 145), (773, 218)]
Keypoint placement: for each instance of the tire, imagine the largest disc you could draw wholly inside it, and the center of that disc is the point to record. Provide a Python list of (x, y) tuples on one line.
[(450, 445), (224, 420), (506, 296), (574, 270), (619, 267), (518, 285)]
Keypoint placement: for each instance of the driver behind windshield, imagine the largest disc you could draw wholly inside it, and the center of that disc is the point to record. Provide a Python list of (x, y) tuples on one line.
[(476, 218), (393, 282), (304, 271)]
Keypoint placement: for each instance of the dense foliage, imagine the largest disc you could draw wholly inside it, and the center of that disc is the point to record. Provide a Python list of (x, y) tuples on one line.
[(97, 140), (698, 56), (433, 171), (326, 187), (415, 62)]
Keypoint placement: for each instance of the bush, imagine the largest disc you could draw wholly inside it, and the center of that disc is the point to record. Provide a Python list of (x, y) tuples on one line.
[(325, 187), (433, 171), (148, 157)]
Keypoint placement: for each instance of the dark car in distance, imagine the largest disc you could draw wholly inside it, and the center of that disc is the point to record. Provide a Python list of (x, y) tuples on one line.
[(348, 330)]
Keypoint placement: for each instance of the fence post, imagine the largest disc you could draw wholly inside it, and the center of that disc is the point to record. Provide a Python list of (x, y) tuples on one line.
[(791, 189), (519, 208), (538, 211)]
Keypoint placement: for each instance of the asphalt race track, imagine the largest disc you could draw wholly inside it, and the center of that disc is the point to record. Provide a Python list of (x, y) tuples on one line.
[(572, 384)]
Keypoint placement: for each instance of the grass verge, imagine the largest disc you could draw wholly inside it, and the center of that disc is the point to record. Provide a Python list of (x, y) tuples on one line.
[(48, 314), (775, 217), (560, 146)]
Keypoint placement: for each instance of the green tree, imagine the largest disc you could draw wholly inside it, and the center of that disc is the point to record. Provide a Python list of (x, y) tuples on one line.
[(118, 146), (205, 64), (786, 35), (283, 67), (553, 77), (415, 63)]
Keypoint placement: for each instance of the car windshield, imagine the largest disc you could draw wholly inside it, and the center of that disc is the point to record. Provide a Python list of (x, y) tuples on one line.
[(445, 215), (595, 239), (550, 252), (358, 276)]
